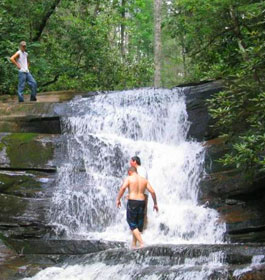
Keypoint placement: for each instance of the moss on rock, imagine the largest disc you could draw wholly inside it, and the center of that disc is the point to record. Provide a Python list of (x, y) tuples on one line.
[(27, 150)]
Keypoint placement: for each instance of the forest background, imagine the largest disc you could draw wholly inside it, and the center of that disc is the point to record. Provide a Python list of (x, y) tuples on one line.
[(98, 45)]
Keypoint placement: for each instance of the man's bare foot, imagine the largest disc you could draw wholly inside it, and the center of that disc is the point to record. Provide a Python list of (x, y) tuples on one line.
[(141, 245)]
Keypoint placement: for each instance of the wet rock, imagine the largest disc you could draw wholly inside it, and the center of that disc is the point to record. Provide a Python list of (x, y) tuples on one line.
[(25, 201), (198, 115), (159, 260), (23, 217), (239, 200), (30, 184), (14, 266), (232, 254), (27, 179), (61, 247), (253, 272), (24, 151)]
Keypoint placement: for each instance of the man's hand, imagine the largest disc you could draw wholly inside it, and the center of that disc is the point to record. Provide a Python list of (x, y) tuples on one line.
[(118, 203), (155, 207)]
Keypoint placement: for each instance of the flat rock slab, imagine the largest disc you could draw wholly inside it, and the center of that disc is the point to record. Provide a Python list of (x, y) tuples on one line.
[(160, 261), (43, 97), (42, 116), (233, 254), (62, 247), (82, 247)]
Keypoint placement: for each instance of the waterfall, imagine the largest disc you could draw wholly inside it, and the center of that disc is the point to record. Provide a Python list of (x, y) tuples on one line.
[(102, 134)]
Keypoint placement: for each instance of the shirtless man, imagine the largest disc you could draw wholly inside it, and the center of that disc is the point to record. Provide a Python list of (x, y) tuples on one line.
[(136, 162), (136, 203)]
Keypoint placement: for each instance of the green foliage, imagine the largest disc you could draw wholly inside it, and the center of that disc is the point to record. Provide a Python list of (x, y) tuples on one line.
[(79, 47), (224, 39)]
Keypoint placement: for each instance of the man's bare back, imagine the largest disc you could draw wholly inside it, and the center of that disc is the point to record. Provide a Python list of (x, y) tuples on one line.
[(136, 202), (136, 187)]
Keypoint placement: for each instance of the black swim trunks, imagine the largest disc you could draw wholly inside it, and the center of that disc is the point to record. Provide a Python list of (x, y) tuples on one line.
[(135, 214)]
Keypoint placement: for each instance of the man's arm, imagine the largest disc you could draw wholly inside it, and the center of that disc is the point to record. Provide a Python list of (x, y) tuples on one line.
[(153, 194), (14, 58), (124, 186)]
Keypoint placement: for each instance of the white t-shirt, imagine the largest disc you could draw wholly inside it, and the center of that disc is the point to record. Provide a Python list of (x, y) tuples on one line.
[(143, 173), (23, 61)]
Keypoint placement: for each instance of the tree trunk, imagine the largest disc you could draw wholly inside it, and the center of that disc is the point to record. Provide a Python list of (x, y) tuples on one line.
[(123, 27), (45, 20), (157, 43), (183, 53), (96, 10)]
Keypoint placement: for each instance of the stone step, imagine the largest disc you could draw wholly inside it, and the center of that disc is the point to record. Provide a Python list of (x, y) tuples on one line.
[(61, 247), (42, 116), (174, 254), (160, 261)]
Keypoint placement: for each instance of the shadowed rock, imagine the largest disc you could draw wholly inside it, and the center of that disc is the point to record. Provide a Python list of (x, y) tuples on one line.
[(197, 110)]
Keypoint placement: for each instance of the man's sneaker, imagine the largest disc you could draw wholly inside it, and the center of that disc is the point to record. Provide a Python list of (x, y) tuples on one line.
[(33, 98)]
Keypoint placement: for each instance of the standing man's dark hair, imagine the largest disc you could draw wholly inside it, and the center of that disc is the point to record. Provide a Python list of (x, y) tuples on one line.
[(20, 59), (137, 159)]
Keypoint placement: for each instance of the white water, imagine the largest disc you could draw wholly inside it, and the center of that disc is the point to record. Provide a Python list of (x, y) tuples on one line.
[(102, 134), (255, 262), (194, 269)]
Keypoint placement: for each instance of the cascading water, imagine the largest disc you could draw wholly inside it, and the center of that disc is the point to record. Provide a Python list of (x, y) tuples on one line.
[(102, 134)]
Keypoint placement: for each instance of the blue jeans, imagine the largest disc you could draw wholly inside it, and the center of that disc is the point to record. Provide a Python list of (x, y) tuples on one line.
[(22, 78)]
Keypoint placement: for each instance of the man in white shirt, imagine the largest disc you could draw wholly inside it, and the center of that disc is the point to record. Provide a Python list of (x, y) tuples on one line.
[(136, 162), (20, 59)]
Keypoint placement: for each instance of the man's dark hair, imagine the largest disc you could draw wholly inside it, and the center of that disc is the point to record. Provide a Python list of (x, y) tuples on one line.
[(137, 159), (132, 169)]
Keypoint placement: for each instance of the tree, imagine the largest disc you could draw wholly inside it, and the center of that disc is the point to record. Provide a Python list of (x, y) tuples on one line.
[(157, 43), (82, 45), (232, 49)]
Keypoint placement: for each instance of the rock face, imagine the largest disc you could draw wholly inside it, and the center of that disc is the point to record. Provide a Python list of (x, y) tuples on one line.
[(31, 145), (27, 177), (199, 117), (239, 200)]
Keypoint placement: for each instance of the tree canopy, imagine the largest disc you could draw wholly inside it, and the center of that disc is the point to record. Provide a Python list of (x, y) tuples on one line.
[(225, 39), (109, 44)]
